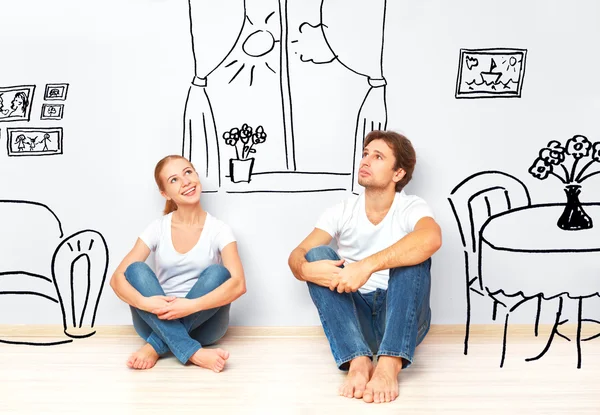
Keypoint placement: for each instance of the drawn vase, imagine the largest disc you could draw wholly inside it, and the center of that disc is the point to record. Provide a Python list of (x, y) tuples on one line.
[(240, 170), (574, 217)]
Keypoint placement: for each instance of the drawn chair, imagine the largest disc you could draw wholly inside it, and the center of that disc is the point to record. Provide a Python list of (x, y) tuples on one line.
[(473, 201), (46, 278)]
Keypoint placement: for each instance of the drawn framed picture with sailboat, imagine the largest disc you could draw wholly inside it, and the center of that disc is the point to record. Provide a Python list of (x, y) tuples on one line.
[(490, 73)]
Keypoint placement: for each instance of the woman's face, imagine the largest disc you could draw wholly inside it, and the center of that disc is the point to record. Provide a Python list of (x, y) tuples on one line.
[(16, 103), (181, 182)]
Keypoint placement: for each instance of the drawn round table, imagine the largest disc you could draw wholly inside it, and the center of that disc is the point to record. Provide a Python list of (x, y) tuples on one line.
[(524, 253)]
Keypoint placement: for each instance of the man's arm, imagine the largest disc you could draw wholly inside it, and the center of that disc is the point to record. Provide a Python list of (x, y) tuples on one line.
[(416, 247), (413, 249), (319, 272)]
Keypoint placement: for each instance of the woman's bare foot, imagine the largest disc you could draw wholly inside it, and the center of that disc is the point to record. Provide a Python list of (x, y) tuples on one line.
[(213, 359), (144, 358), (357, 378), (383, 386)]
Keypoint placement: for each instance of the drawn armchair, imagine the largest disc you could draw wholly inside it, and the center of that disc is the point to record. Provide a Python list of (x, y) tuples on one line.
[(46, 278)]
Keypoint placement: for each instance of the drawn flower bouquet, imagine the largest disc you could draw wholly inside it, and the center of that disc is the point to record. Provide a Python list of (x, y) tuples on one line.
[(243, 140), (551, 162)]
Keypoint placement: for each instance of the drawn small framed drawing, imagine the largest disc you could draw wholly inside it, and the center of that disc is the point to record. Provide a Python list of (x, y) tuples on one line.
[(490, 73), (56, 92), (34, 141), (15, 102), (52, 111)]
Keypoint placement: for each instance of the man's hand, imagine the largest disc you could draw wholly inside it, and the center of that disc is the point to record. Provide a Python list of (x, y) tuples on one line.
[(350, 278), (150, 304), (322, 272), (178, 308)]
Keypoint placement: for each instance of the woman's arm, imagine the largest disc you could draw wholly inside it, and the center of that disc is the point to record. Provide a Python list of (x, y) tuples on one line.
[(231, 289), (120, 285)]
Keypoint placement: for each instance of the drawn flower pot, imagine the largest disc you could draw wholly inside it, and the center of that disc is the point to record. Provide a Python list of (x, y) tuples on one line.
[(574, 217), (240, 170)]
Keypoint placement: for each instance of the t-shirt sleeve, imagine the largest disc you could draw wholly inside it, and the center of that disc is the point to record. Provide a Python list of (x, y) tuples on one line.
[(329, 221), (417, 210), (151, 235), (224, 236)]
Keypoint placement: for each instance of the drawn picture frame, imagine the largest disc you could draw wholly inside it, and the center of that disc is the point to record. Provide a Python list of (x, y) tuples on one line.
[(16, 102), (52, 111), (56, 92), (31, 142), (490, 73)]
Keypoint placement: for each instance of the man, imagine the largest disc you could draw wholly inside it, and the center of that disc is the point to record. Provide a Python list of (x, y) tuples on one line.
[(375, 299)]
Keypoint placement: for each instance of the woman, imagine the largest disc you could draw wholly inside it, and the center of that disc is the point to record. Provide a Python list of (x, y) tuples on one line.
[(185, 305)]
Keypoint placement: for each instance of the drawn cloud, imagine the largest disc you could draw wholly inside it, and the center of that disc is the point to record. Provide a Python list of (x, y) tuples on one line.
[(311, 45)]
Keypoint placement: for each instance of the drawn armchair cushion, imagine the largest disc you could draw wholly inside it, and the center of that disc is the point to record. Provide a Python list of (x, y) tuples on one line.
[(44, 280)]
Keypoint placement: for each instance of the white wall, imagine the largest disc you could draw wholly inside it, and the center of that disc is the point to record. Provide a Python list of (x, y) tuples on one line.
[(129, 66)]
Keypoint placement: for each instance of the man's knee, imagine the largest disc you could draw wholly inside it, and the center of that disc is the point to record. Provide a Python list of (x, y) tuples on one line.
[(321, 252), (215, 275), (137, 272)]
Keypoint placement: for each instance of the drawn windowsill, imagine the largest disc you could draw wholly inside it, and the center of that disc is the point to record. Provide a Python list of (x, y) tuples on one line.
[(290, 182)]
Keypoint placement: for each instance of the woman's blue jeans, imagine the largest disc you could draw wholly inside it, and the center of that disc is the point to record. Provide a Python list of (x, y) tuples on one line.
[(388, 322), (184, 336)]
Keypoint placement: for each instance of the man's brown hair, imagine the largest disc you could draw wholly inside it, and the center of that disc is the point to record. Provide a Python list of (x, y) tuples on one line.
[(405, 155)]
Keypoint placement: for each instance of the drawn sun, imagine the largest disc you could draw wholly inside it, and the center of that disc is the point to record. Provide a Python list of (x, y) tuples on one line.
[(512, 63), (258, 41)]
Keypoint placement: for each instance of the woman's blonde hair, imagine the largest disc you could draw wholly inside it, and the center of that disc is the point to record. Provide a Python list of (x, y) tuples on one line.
[(170, 205)]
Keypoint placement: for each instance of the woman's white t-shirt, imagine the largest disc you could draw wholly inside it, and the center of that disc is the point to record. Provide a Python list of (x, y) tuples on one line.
[(177, 273), (358, 238)]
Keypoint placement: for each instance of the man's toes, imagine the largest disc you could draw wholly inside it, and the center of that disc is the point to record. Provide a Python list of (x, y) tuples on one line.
[(368, 396), (394, 395), (388, 396)]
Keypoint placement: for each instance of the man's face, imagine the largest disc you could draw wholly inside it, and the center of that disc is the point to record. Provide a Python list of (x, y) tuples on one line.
[(376, 170)]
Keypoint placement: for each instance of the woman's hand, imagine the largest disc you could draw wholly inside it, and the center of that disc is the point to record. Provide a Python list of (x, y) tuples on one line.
[(156, 302), (177, 308)]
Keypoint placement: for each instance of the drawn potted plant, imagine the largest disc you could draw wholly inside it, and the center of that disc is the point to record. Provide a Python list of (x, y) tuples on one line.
[(551, 161), (243, 140)]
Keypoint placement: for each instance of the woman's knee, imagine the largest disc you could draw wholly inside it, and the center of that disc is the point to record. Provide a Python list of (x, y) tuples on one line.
[(321, 252), (215, 275), (137, 272)]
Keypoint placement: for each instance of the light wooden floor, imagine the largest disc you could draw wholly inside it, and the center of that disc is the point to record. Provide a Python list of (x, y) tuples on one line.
[(273, 372)]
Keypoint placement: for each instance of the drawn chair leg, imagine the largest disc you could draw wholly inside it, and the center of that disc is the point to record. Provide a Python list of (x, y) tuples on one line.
[(79, 267)]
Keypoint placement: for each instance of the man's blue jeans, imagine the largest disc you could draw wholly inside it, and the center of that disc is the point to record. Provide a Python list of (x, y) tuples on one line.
[(184, 336), (388, 322)]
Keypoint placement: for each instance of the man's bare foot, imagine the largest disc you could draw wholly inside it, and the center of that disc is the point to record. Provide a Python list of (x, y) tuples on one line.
[(383, 386), (213, 359), (357, 378), (144, 358)]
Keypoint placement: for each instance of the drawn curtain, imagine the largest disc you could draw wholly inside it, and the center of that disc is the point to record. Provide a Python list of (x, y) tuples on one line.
[(215, 27), (354, 31)]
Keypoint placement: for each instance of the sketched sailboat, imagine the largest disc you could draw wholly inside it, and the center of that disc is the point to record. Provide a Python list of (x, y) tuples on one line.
[(491, 77)]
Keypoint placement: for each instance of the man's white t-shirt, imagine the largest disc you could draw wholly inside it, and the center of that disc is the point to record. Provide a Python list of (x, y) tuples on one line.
[(177, 273), (358, 238)]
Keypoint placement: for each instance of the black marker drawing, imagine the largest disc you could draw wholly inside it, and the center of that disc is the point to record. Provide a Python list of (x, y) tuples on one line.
[(34, 141), (490, 73), (360, 49), (70, 287), (243, 140), (52, 111), (56, 92), (15, 102), (248, 54), (553, 161), (514, 252)]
